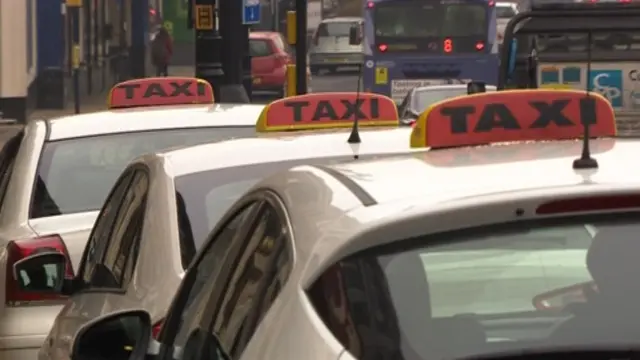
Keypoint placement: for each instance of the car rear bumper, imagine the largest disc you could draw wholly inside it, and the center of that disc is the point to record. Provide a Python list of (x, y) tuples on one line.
[(336, 59)]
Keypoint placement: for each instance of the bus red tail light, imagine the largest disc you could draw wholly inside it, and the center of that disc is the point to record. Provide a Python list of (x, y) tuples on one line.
[(383, 47), (20, 249), (492, 3), (370, 5), (480, 46), (155, 331)]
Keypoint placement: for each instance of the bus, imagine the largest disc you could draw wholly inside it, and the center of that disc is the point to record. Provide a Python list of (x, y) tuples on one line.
[(410, 43)]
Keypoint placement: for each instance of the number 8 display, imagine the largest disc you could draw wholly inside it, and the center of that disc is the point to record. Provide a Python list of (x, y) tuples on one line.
[(448, 45)]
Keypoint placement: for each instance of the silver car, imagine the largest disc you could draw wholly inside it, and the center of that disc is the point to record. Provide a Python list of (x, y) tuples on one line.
[(330, 48)]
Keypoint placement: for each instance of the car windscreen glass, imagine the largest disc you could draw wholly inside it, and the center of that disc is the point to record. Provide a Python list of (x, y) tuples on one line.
[(505, 12), (208, 195), (259, 48), (423, 98), (329, 29), (469, 293), (76, 175)]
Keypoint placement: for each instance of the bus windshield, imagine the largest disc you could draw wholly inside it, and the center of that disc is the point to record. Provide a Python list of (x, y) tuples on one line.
[(416, 25)]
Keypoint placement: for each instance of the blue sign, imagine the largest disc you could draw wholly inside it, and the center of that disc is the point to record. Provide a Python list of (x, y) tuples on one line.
[(250, 12), (607, 83)]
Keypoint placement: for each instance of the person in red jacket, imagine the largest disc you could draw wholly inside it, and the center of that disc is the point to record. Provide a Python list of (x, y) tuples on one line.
[(161, 51)]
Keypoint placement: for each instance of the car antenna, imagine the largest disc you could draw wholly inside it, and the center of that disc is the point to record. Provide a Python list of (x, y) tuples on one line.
[(354, 138), (587, 116)]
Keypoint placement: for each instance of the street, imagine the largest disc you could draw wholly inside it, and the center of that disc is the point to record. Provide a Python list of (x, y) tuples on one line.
[(345, 80)]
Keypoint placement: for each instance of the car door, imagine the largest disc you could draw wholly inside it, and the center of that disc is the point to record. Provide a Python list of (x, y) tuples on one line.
[(108, 262), (253, 275)]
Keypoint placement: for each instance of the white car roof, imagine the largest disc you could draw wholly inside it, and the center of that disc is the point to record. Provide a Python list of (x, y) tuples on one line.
[(266, 149), (151, 118)]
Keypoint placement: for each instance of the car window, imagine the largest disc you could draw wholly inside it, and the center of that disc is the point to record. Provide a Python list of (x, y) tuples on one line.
[(208, 195), (505, 12), (97, 161), (258, 276), (259, 48), (471, 292), (7, 160), (123, 244), (99, 238), (208, 269)]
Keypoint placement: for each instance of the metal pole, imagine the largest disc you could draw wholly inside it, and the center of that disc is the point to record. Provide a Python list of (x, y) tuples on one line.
[(208, 43), (74, 12), (301, 46)]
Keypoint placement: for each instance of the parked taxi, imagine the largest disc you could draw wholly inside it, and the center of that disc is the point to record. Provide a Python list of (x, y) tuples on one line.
[(429, 255), (163, 206), (56, 173)]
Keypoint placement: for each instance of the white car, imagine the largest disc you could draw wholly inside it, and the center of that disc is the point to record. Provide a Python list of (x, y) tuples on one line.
[(55, 175), (164, 205), (424, 256)]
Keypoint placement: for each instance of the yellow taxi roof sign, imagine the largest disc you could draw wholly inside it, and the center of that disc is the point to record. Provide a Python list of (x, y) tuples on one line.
[(328, 111), (513, 115), (160, 91)]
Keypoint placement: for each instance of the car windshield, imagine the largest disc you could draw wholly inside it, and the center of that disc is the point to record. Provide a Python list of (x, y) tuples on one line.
[(329, 29), (488, 290), (425, 97), (205, 197), (505, 12), (97, 161)]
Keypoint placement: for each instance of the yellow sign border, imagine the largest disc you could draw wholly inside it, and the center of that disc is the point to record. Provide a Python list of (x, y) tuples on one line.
[(204, 12)]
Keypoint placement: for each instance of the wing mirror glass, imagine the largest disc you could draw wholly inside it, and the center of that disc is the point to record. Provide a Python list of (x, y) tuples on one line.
[(354, 35), (41, 272), (121, 335), (560, 298)]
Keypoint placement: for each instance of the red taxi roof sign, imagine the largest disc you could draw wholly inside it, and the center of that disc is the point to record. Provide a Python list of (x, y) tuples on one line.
[(513, 115), (328, 111), (160, 91)]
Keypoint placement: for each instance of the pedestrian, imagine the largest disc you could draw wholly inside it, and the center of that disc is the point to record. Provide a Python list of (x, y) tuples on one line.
[(161, 51)]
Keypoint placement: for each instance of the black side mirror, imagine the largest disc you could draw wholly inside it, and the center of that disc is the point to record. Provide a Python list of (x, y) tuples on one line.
[(354, 36), (120, 335), (476, 87), (41, 272)]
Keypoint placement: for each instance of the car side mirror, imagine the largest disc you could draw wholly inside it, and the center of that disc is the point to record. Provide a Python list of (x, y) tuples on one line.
[(41, 272), (120, 335), (354, 36)]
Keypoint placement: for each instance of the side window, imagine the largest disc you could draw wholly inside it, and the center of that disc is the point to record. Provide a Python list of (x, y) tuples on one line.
[(125, 235), (7, 159), (209, 268), (97, 243), (256, 281)]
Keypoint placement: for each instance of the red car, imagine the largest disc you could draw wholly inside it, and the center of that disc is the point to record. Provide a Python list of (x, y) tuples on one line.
[(270, 55)]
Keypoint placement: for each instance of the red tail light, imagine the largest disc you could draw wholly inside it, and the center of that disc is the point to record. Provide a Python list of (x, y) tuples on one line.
[(19, 249), (383, 47), (370, 5), (155, 331), (492, 3), (593, 203), (479, 46), (625, 1)]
